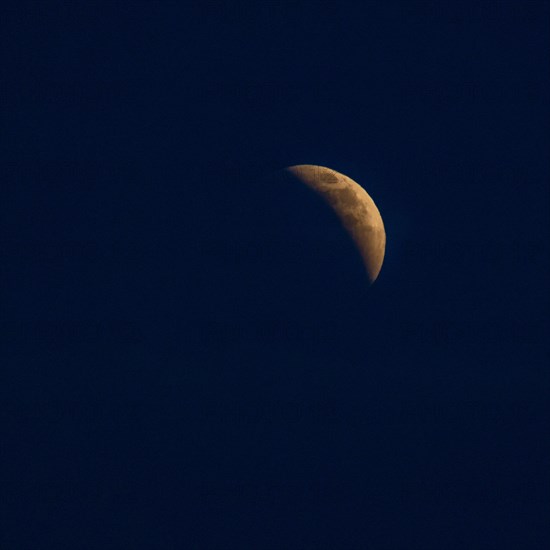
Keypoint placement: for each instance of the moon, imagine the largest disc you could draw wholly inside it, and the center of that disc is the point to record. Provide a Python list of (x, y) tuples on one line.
[(353, 206)]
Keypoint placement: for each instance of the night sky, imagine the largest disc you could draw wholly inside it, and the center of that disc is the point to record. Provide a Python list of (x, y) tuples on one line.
[(194, 358)]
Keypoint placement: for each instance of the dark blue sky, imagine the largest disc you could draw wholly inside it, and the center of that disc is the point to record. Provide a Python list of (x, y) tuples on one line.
[(194, 360)]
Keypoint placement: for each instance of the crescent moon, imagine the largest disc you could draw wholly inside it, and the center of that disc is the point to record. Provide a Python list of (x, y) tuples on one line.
[(353, 206)]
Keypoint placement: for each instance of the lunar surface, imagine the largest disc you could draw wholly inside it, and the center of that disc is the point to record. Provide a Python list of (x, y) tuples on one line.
[(355, 209)]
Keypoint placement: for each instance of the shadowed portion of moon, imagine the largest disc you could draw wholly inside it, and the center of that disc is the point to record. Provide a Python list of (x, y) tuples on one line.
[(353, 206)]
